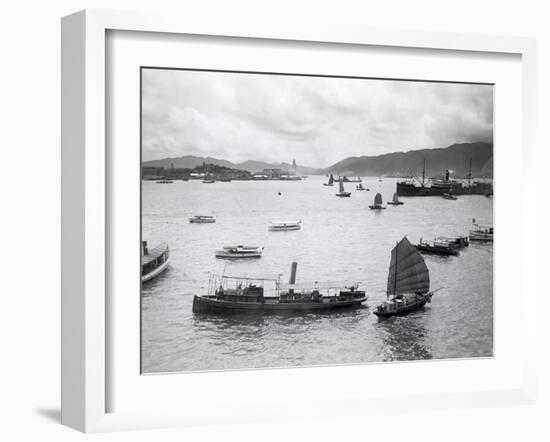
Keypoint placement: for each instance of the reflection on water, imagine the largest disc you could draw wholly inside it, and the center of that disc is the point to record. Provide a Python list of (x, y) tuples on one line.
[(341, 240)]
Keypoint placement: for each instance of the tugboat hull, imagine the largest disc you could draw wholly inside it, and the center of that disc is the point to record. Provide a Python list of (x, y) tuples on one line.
[(209, 304)]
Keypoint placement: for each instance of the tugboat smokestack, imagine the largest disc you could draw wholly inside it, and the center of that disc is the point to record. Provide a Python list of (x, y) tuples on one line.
[(145, 249), (293, 269)]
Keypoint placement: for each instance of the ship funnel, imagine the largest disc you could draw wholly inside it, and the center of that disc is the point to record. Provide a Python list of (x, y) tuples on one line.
[(145, 248), (293, 269)]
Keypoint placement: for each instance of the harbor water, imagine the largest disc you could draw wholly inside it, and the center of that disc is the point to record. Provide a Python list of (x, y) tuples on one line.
[(341, 240)]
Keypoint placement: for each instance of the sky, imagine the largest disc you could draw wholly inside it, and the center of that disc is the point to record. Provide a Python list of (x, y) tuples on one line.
[(317, 121)]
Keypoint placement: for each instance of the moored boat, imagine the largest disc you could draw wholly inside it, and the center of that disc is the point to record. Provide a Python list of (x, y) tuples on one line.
[(228, 294), (164, 181), (360, 187), (202, 219), (437, 247), (154, 261), (395, 201), (341, 191), (408, 286), (240, 251), (281, 226), (377, 203)]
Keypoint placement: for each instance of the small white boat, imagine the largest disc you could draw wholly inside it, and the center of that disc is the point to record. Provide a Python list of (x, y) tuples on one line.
[(240, 251), (481, 233), (281, 226), (202, 219), (153, 262)]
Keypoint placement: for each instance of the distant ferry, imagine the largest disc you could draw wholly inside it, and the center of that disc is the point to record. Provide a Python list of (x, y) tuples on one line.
[(227, 294), (481, 233), (278, 226), (154, 261)]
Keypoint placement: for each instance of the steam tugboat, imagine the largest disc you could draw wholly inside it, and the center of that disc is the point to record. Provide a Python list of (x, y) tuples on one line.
[(228, 294), (441, 186), (408, 282)]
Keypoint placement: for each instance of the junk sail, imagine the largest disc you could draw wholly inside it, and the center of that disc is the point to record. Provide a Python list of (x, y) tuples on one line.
[(408, 272), (378, 200), (395, 198), (331, 180), (341, 186)]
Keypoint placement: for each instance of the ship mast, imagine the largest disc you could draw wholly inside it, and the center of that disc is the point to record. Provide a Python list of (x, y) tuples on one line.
[(395, 273), (423, 172), (470, 174)]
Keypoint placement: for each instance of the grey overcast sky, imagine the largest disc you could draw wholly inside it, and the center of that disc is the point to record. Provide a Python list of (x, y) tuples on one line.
[(317, 121)]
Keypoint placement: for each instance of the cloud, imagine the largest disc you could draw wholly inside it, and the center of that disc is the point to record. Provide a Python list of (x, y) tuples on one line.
[(316, 120)]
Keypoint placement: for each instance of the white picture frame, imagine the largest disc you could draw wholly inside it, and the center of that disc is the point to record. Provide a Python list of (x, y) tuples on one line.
[(85, 209)]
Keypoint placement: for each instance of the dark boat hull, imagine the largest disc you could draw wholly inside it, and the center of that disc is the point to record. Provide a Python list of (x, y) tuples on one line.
[(437, 250), (406, 309), (209, 304), (407, 189)]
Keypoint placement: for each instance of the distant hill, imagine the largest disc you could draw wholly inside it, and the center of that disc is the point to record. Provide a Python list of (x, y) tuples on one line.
[(455, 157), (190, 162)]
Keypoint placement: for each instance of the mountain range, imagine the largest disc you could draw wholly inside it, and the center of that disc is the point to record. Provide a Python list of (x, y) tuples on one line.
[(455, 157)]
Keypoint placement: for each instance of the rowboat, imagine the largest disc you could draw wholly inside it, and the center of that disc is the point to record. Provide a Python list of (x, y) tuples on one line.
[(408, 286), (282, 226), (202, 219), (448, 196), (154, 261), (241, 295), (239, 251)]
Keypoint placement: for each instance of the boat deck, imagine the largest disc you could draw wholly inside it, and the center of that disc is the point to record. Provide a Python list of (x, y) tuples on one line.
[(154, 254)]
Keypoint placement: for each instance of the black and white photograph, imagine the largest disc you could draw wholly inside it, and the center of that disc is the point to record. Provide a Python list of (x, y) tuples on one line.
[(292, 220)]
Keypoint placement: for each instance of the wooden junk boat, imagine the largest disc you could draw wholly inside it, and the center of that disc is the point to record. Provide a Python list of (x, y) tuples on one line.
[(154, 261), (240, 251), (330, 181), (408, 282), (395, 201), (342, 192), (437, 247), (377, 203), (228, 294)]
